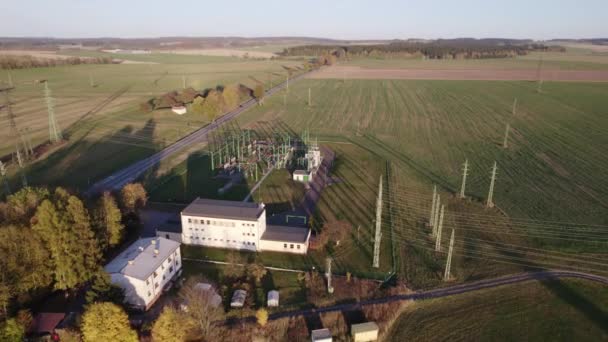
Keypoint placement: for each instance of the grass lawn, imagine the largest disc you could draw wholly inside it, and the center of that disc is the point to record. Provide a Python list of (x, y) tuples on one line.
[(567, 310)]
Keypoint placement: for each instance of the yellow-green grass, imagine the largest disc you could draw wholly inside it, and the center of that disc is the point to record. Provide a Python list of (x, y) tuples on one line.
[(566, 310)]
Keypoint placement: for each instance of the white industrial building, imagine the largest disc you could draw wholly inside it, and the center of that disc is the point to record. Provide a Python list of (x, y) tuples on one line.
[(313, 162), (144, 269), (237, 225)]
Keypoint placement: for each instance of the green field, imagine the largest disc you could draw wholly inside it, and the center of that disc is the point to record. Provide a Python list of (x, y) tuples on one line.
[(550, 195), (105, 126), (568, 310), (572, 59)]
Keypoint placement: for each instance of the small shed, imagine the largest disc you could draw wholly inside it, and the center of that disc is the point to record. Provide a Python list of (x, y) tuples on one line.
[(216, 299), (301, 176), (321, 335), (46, 322), (238, 299), (273, 298), (179, 110), (364, 332)]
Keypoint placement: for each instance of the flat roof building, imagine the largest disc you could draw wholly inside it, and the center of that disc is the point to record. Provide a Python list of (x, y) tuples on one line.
[(144, 268)]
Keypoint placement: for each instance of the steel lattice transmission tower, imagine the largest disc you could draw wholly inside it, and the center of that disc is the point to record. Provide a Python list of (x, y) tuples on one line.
[(465, 173), (439, 229), (330, 289), (54, 130), (432, 216), (448, 263), (490, 202), (378, 235), (4, 178)]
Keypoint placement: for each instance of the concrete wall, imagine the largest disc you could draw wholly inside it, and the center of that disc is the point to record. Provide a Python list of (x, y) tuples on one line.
[(170, 235), (285, 247)]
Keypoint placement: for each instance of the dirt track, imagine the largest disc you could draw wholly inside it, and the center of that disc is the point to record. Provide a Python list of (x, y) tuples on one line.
[(340, 72)]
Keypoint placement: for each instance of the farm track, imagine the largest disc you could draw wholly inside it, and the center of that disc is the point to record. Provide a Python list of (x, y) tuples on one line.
[(434, 293)]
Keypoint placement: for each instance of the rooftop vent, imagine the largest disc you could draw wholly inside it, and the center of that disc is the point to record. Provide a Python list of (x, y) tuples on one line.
[(131, 262), (141, 249), (153, 242), (155, 252)]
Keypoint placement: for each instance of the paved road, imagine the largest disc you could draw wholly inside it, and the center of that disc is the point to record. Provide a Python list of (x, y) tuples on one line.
[(437, 293), (129, 174)]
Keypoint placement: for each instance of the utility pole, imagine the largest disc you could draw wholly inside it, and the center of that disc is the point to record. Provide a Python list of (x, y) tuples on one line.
[(539, 74), (465, 173), (21, 166), (309, 98), (448, 263), (330, 289), (54, 131), (432, 216), (439, 229), (436, 216), (490, 203), (378, 235), (4, 179), (506, 140)]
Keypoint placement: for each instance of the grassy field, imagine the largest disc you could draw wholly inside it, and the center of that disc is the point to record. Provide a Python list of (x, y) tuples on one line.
[(550, 195), (105, 126), (571, 310)]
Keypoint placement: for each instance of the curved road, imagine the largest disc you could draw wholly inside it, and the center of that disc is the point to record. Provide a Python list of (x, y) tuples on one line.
[(129, 174), (438, 293)]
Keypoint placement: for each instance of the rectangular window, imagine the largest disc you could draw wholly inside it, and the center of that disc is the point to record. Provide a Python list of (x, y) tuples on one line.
[(171, 269), (189, 220), (155, 285), (149, 293), (147, 281), (285, 245), (208, 222), (155, 274), (291, 246), (252, 234), (298, 246)]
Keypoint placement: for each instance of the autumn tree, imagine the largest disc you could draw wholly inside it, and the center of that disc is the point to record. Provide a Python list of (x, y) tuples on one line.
[(25, 260), (262, 317), (256, 271), (109, 229), (197, 105), (21, 206), (202, 306), (11, 330), (106, 322), (258, 93), (212, 106), (64, 226), (133, 197), (231, 97), (172, 326), (233, 267)]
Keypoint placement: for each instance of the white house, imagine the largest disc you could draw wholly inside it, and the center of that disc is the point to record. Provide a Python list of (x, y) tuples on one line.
[(364, 332), (145, 268), (237, 225), (302, 176), (179, 110)]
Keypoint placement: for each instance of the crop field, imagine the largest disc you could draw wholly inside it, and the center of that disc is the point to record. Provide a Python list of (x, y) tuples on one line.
[(97, 107), (572, 310), (550, 198), (572, 59)]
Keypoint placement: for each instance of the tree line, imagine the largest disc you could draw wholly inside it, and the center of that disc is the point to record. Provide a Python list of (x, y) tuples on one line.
[(440, 49), (26, 62), (53, 240)]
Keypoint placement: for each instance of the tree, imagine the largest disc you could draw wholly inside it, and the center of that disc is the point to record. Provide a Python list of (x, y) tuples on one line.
[(25, 260), (64, 226), (108, 224), (256, 272), (172, 326), (262, 316), (106, 322), (231, 97), (212, 106), (202, 306), (22, 205), (11, 330), (258, 93), (233, 268), (197, 105), (102, 290), (68, 335), (5, 297), (133, 197)]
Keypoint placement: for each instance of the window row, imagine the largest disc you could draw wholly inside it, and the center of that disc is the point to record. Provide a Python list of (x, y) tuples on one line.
[(220, 240), (248, 234), (212, 223), (291, 246)]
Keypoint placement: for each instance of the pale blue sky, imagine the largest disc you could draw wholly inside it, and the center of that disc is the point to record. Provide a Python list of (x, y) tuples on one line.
[(344, 19)]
